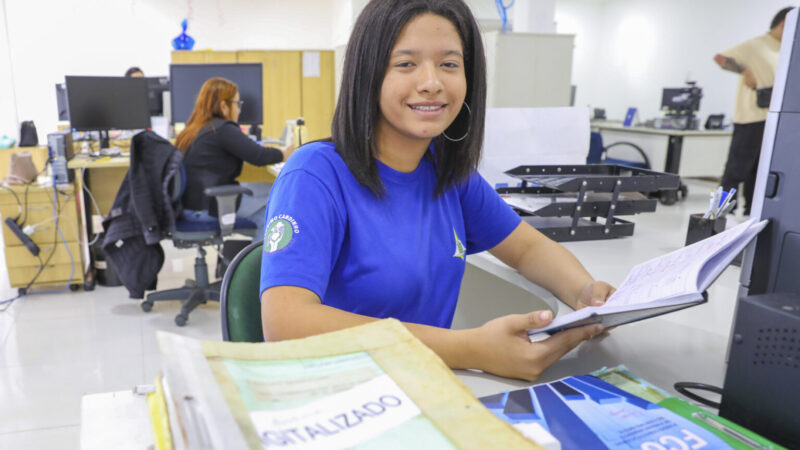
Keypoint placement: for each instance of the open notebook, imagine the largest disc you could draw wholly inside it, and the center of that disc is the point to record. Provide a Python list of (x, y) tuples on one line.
[(668, 283)]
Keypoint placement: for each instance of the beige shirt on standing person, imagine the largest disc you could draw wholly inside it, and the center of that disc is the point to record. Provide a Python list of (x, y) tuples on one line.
[(760, 55)]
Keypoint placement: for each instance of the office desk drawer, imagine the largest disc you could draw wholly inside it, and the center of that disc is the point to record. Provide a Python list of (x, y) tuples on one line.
[(52, 274), (41, 213), (19, 256)]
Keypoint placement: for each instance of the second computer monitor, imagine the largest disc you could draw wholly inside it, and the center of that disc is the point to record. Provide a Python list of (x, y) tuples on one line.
[(187, 79), (61, 101), (156, 86), (106, 103)]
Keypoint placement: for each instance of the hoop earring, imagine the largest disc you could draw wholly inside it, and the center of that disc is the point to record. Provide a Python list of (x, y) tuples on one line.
[(469, 126)]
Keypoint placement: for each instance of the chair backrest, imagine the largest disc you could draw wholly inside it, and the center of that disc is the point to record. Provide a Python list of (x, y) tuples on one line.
[(240, 303), (595, 155)]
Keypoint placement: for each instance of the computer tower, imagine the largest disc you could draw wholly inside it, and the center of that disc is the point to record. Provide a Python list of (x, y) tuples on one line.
[(761, 389), (60, 148)]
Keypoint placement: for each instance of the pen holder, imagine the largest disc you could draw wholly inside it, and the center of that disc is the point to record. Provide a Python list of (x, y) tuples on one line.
[(700, 228)]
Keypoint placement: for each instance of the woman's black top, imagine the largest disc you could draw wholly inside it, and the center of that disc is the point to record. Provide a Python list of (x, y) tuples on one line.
[(215, 158)]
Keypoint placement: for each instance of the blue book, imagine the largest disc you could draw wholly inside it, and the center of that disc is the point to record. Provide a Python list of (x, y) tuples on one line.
[(585, 412), (629, 117)]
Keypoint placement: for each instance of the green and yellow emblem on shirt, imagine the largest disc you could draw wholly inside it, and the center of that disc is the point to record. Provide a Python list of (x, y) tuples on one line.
[(461, 251)]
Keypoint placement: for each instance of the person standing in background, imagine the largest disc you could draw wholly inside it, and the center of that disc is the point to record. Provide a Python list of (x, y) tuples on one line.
[(134, 72), (756, 60)]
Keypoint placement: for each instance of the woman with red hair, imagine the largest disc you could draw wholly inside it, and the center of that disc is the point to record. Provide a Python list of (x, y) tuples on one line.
[(214, 147)]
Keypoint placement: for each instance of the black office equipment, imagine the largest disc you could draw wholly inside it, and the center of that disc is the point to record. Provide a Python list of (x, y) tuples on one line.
[(106, 103), (680, 106), (61, 101), (24, 238), (681, 100), (565, 202), (156, 87), (761, 388), (187, 79), (60, 148), (715, 122)]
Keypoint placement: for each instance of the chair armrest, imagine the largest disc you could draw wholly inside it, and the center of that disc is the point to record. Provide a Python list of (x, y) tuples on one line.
[(226, 204), (228, 189)]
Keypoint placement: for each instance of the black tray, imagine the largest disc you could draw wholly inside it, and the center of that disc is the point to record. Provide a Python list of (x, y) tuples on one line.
[(594, 177)]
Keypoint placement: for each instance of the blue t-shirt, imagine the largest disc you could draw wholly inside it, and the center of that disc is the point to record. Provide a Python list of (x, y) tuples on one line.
[(402, 256)]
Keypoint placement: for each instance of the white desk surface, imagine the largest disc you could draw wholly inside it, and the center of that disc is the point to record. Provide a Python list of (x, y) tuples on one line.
[(617, 126)]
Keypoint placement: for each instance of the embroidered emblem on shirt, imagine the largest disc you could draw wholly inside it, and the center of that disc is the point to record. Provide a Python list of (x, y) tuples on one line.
[(279, 233), (461, 251)]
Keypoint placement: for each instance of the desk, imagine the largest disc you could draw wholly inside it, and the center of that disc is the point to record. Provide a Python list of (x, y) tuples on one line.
[(711, 159), (103, 177)]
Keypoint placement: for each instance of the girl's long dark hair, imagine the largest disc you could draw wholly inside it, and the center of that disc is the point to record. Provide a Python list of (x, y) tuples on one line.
[(366, 60)]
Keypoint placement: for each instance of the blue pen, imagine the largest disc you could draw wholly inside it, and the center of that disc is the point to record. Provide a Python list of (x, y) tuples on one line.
[(722, 198), (729, 198)]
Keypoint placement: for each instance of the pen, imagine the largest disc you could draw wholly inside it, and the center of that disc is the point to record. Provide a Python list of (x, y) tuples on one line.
[(715, 205), (727, 208), (705, 418), (710, 206), (728, 198)]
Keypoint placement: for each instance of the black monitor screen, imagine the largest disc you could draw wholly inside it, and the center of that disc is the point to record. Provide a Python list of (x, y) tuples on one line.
[(105, 103), (61, 101), (187, 79), (684, 99), (156, 86)]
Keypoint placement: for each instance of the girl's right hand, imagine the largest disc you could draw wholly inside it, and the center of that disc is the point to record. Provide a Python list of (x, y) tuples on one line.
[(502, 346)]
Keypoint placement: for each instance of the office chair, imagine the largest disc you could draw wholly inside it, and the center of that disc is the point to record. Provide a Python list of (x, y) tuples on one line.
[(193, 229), (239, 302), (598, 154)]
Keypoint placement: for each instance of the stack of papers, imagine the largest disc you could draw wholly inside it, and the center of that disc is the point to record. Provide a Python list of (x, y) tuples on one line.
[(372, 386)]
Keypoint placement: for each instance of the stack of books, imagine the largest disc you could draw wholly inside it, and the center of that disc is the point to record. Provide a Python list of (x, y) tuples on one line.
[(371, 386)]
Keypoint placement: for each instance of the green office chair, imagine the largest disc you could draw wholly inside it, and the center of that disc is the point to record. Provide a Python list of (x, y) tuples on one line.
[(239, 299)]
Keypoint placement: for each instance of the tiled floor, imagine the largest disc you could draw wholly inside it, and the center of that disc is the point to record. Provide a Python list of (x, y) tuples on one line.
[(56, 348)]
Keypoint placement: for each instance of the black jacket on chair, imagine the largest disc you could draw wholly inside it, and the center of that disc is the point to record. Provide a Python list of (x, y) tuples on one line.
[(143, 213)]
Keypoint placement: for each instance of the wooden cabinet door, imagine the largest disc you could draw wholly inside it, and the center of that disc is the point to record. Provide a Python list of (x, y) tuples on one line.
[(318, 93), (202, 57), (282, 87)]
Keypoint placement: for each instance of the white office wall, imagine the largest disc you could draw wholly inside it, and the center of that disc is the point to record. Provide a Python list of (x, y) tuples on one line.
[(625, 50), (8, 119), (628, 50), (53, 38)]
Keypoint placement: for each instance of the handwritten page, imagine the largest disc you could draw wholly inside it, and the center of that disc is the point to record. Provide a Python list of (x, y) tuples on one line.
[(675, 273)]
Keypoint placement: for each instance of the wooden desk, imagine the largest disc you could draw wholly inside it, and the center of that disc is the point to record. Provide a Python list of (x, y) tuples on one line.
[(109, 171), (63, 265), (103, 176)]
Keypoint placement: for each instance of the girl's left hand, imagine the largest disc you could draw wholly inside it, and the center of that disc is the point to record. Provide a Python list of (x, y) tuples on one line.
[(594, 294)]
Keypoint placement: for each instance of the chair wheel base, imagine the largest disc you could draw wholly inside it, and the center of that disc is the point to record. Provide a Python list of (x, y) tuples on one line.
[(180, 320), (146, 306)]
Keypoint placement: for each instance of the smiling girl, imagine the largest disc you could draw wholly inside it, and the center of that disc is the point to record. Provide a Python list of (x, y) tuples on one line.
[(378, 220)]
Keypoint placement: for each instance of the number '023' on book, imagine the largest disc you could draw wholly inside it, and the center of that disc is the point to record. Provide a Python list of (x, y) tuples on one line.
[(668, 283)]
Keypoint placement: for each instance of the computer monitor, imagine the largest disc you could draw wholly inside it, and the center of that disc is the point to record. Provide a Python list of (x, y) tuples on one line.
[(682, 101), (156, 86), (105, 103), (187, 79), (61, 101)]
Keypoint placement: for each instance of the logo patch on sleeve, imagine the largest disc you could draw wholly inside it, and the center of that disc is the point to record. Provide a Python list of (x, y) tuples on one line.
[(279, 233), (461, 251)]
